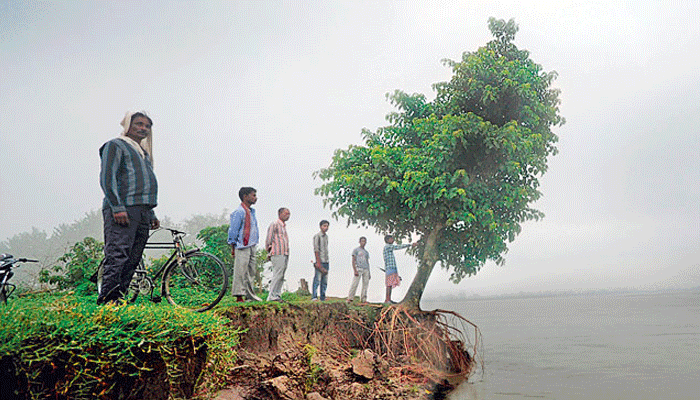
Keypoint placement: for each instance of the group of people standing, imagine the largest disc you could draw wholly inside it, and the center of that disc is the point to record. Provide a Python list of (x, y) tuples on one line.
[(360, 267), (131, 190), (243, 237)]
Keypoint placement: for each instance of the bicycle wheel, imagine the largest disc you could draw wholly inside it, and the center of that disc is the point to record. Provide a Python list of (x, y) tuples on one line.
[(3, 295), (198, 284)]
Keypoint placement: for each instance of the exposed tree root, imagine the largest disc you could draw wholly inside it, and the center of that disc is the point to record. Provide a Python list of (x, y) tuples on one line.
[(423, 343), (341, 352)]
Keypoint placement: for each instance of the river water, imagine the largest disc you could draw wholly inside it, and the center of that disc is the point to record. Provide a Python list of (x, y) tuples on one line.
[(587, 346)]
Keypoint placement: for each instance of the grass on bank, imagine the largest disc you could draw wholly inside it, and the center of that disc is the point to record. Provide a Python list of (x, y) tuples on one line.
[(97, 343)]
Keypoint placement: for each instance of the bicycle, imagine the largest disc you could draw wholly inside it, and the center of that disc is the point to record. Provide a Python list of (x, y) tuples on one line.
[(7, 261), (191, 279)]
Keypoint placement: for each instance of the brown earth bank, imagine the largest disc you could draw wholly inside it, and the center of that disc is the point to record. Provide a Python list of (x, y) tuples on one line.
[(297, 350), (332, 350)]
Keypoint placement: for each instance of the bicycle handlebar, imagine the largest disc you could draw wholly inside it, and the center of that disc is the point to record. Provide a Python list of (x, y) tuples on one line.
[(9, 259)]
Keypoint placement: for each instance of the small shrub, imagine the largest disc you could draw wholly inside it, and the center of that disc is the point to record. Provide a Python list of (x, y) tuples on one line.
[(74, 268), (314, 370)]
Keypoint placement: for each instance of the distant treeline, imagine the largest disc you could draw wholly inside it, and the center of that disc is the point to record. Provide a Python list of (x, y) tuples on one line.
[(37, 244)]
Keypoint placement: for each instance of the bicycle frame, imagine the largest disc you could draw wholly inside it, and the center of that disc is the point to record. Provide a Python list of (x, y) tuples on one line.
[(178, 255), (198, 273)]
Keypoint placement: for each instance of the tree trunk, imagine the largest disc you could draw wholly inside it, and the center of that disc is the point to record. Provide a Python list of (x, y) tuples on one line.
[(425, 268)]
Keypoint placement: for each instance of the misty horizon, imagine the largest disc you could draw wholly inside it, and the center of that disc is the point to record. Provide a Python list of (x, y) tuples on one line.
[(261, 94)]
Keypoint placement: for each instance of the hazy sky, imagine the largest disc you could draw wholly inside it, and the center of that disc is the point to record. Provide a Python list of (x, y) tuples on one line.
[(261, 93)]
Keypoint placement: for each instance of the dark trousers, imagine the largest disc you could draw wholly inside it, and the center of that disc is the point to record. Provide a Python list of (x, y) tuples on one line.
[(123, 250)]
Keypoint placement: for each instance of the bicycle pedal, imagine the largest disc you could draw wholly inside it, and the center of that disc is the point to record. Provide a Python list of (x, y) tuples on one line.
[(156, 299)]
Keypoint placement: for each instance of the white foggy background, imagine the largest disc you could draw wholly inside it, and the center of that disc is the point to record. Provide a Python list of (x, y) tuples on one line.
[(261, 93)]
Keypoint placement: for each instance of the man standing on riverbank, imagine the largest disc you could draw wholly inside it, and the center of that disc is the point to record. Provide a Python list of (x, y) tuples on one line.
[(131, 192), (277, 246), (243, 237), (322, 262), (360, 268)]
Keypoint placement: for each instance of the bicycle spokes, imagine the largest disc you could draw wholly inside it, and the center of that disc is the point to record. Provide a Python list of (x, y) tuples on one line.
[(198, 283), (189, 271)]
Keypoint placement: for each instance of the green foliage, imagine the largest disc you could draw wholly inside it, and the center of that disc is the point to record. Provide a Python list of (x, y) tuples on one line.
[(75, 268), (460, 171), (215, 240), (314, 369), (155, 264), (294, 297), (96, 344), (260, 260)]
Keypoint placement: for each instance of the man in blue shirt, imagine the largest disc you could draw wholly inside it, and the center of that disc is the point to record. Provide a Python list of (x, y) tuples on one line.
[(243, 237), (131, 191)]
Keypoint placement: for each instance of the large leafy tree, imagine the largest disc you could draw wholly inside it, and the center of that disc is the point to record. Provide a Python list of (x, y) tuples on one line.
[(461, 171)]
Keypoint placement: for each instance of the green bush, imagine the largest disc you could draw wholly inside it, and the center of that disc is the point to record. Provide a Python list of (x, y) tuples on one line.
[(74, 269), (215, 240)]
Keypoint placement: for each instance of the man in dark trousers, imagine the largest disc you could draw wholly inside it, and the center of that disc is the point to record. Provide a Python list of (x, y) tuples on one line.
[(131, 192)]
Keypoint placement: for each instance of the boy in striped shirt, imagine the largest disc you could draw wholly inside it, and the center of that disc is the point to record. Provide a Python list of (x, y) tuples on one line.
[(392, 274)]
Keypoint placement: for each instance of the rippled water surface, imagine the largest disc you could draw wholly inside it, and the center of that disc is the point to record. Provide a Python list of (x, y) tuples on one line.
[(593, 346)]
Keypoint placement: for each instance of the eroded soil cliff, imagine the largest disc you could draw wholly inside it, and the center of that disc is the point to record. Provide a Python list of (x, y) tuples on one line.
[(332, 350)]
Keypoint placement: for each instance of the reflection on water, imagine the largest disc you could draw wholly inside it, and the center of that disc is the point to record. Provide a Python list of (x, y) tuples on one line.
[(593, 346)]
